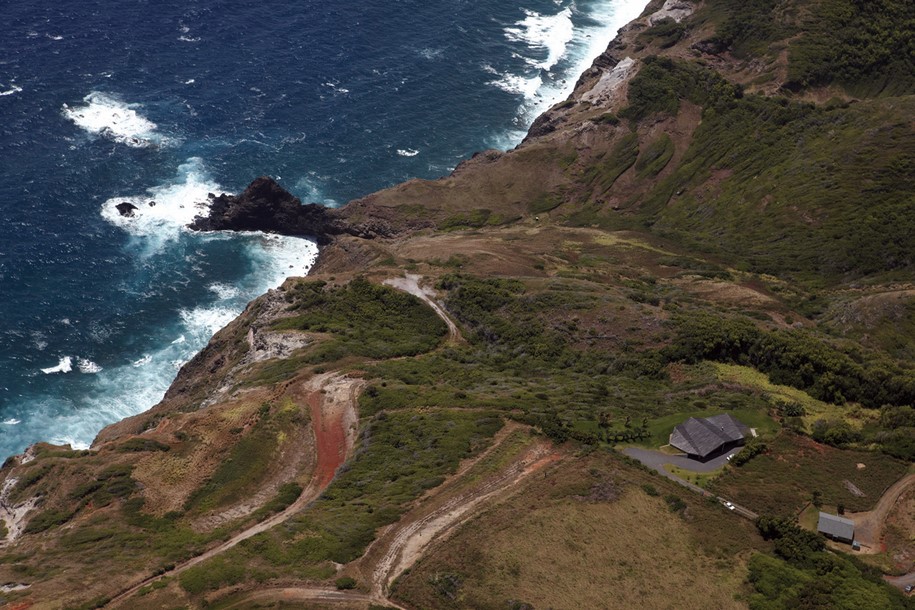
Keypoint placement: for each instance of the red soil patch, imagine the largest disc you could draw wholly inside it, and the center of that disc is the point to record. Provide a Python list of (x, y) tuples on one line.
[(330, 440)]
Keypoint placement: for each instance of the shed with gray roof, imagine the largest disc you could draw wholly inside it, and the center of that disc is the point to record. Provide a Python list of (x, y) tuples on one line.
[(705, 438), (837, 528)]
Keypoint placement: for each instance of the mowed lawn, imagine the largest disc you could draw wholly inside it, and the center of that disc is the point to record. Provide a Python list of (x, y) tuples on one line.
[(781, 481)]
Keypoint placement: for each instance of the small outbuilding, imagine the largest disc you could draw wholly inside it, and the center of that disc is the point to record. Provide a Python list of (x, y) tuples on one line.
[(836, 528), (703, 439)]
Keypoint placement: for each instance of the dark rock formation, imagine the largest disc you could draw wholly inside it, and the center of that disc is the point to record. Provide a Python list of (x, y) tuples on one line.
[(266, 206), (125, 209)]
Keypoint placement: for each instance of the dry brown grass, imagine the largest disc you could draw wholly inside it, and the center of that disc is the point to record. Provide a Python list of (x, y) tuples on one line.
[(561, 543), (900, 533), (627, 554)]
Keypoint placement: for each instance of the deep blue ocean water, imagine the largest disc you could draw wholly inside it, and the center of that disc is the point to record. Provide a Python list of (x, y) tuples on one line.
[(103, 101)]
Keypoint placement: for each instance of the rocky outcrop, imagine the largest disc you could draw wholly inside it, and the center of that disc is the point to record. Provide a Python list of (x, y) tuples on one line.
[(126, 209), (266, 206)]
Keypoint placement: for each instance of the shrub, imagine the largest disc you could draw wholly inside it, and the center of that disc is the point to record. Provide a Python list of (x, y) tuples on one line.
[(753, 448), (141, 444), (345, 583), (675, 503)]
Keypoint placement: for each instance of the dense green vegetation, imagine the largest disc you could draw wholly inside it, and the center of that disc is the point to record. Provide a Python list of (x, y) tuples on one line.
[(655, 157), (818, 193), (662, 83), (865, 45), (542, 368), (364, 319), (799, 359), (805, 576), (746, 27), (602, 174), (665, 32), (795, 358)]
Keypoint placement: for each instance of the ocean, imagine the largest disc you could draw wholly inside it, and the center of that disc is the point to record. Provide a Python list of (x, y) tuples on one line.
[(159, 103)]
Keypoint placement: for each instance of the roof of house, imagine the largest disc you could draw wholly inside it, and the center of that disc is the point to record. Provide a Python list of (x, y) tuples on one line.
[(838, 527), (704, 436)]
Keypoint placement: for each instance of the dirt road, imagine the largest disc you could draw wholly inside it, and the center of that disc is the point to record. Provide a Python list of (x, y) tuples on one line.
[(869, 525), (331, 398), (410, 283), (434, 517), (398, 548)]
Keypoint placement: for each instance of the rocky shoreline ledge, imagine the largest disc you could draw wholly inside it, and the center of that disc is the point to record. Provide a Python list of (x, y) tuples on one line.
[(266, 206)]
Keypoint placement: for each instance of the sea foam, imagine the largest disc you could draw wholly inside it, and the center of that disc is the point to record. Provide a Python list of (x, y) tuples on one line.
[(12, 90), (87, 367), (64, 365), (107, 116), (166, 210), (548, 32), (570, 40)]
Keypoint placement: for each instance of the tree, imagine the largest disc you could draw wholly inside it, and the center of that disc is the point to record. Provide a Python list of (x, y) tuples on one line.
[(817, 498), (604, 420)]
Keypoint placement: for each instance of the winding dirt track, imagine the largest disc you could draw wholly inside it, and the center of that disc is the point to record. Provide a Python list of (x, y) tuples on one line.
[(869, 525), (436, 516), (410, 283), (398, 548), (332, 401)]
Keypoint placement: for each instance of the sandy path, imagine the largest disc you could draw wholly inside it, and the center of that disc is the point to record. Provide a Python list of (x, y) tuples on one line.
[(410, 283), (332, 401), (869, 525)]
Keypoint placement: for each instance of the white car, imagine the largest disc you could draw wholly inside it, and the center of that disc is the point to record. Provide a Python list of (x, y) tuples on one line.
[(729, 506)]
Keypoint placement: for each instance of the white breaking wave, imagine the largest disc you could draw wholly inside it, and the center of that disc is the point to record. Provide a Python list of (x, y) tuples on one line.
[(107, 116), (87, 367), (65, 365), (12, 90), (223, 291), (549, 32), (407, 152), (10, 422), (165, 211), (569, 50), (203, 322), (278, 257), (142, 361), (519, 85), (75, 444)]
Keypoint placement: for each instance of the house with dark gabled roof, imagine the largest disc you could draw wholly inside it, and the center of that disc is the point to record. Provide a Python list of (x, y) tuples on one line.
[(703, 439)]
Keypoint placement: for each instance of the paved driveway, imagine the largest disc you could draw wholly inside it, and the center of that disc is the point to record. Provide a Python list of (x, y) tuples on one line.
[(657, 460), (654, 459)]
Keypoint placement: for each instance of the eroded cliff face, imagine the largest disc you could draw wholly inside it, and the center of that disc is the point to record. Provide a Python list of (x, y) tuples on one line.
[(567, 266)]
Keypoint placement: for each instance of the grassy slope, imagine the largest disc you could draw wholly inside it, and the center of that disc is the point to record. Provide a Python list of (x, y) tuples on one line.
[(586, 534)]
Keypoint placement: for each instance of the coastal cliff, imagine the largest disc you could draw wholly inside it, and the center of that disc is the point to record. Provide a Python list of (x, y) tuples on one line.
[(707, 224)]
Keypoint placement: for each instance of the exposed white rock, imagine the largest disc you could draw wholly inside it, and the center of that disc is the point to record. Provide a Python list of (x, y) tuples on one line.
[(678, 10), (609, 83)]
